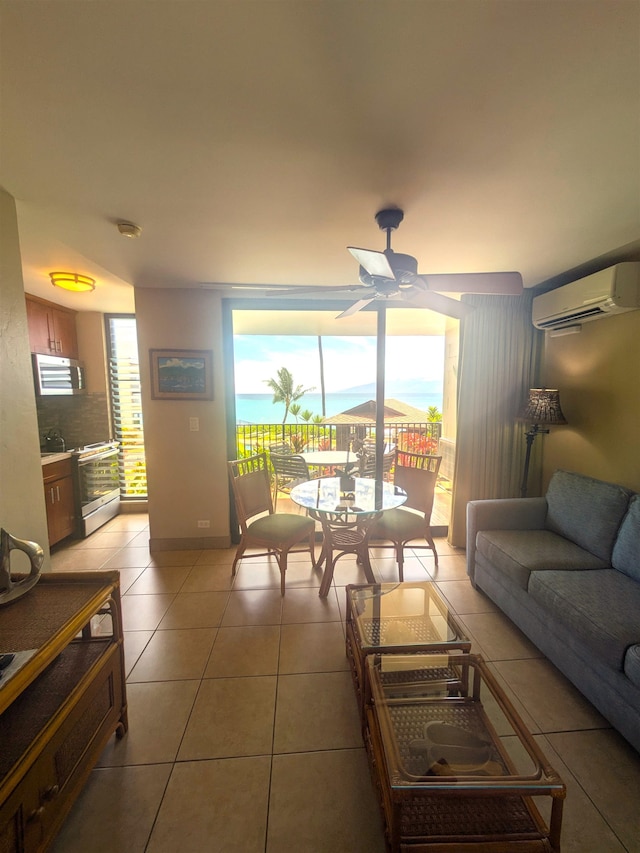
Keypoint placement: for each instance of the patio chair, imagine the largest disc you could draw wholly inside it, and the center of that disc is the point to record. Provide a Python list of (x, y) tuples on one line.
[(290, 469), (417, 475), (280, 447), (388, 460), (260, 527)]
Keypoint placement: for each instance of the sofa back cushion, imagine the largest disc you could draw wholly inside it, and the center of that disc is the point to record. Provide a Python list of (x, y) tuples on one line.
[(626, 551), (586, 511)]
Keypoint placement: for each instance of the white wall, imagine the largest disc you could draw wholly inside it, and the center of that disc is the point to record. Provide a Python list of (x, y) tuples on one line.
[(186, 471), (22, 507)]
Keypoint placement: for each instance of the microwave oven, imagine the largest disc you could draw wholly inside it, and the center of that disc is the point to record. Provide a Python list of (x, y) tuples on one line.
[(57, 376)]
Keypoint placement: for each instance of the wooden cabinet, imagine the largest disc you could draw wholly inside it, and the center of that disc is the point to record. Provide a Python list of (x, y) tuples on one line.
[(52, 328), (57, 712), (59, 499)]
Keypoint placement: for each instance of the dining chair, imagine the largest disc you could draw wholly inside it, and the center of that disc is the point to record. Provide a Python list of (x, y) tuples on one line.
[(417, 475), (388, 460), (260, 526), (289, 469), (280, 447)]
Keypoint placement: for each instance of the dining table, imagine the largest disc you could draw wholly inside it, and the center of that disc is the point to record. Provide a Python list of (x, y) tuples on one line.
[(323, 459), (346, 508)]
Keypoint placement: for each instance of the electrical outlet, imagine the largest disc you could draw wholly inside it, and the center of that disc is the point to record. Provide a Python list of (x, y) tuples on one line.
[(204, 522), (194, 424)]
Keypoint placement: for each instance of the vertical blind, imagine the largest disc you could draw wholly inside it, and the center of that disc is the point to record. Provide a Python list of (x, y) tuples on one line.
[(126, 406)]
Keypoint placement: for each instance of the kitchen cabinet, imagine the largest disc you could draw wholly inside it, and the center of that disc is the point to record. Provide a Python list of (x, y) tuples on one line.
[(52, 328), (59, 710), (59, 497)]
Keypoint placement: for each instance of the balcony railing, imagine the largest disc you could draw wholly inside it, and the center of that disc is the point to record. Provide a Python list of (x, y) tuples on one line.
[(416, 437)]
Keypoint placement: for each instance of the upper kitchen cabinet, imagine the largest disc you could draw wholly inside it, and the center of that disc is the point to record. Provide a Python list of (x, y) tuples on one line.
[(52, 328)]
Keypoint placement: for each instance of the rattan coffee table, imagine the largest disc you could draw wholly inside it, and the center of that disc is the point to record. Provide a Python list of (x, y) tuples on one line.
[(455, 768), (399, 618)]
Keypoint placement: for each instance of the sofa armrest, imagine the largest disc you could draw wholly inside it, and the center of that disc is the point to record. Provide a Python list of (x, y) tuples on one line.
[(501, 514)]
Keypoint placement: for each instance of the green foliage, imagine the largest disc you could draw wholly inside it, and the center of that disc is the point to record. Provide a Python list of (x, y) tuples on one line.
[(285, 390), (434, 415)]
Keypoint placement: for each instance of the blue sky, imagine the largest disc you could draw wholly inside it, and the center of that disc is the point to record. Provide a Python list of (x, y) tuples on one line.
[(348, 361)]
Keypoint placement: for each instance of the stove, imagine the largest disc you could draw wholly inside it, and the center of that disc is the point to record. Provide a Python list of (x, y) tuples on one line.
[(96, 472)]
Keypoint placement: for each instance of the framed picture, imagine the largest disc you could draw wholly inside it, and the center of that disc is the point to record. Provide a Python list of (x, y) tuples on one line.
[(181, 374)]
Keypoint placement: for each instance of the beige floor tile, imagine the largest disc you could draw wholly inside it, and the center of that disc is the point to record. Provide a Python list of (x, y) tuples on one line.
[(195, 610), (253, 607), (154, 580), (127, 578), (305, 605), (158, 714), (347, 570), (115, 811), (318, 647), (257, 574), (141, 539), (208, 578), (108, 539), (216, 557), (551, 700), (316, 711), (323, 802), (129, 521), (463, 598), (128, 558), (174, 655), (175, 558), (498, 637), (449, 568), (244, 651), (231, 717), (608, 770), (214, 807), (134, 645), (144, 612), (81, 559)]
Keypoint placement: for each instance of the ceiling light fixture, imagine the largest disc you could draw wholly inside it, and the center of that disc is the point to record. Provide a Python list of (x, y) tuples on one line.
[(128, 229), (73, 281)]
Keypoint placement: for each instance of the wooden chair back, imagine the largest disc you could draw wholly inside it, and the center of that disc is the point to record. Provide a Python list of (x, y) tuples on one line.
[(417, 475), (251, 487)]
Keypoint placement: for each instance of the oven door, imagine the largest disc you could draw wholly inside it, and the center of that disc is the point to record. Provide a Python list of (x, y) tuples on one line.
[(98, 480)]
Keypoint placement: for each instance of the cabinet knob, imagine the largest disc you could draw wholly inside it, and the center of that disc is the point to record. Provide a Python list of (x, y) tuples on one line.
[(35, 815), (51, 792)]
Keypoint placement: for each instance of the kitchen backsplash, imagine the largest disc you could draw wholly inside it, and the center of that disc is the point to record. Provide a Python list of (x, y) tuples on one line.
[(80, 420)]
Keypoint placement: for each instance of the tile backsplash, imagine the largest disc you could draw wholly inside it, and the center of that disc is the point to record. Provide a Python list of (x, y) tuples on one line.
[(80, 420)]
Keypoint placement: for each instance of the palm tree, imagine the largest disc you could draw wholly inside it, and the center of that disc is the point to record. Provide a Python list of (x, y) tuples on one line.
[(285, 391)]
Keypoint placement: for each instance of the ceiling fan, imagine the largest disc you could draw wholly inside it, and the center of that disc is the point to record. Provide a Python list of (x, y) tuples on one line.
[(390, 275)]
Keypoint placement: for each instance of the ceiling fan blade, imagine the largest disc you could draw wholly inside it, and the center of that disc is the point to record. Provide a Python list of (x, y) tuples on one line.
[(357, 306), (375, 263), (436, 302), (509, 283), (294, 290)]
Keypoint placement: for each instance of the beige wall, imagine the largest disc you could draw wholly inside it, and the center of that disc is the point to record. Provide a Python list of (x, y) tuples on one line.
[(22, 508), (92, 349), (598, 374), (187, 471)]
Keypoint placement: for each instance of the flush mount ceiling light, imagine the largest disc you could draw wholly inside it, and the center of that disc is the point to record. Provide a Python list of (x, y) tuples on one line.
[(73, 281), (128, 229)]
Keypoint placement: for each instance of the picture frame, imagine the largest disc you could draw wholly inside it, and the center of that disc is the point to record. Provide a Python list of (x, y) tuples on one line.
[(181, 374)]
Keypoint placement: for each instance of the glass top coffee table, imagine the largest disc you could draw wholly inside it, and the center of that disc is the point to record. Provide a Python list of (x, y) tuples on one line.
[(398, 618), (452, 761)]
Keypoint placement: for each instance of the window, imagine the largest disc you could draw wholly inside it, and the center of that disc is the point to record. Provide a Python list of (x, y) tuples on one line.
[(126, 406)]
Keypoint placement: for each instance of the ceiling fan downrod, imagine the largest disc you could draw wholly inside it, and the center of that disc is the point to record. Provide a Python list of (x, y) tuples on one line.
[(388, 220)]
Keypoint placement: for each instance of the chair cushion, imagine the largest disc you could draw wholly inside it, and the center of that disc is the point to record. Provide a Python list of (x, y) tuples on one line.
[(517, 553), (632, 664), (626, 551), (281, 527), (399, 524), (586, 511), (600, 608)]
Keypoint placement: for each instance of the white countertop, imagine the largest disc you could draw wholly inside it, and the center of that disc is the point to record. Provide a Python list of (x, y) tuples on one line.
[(46, 458)]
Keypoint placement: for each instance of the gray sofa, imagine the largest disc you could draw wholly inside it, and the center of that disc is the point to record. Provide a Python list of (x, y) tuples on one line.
[(565, 568)]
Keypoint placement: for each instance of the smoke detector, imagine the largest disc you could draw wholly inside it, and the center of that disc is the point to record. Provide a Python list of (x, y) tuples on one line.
[(128, 229)]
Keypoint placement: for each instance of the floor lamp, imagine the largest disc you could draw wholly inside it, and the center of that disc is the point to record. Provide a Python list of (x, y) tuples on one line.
[(541, 410)]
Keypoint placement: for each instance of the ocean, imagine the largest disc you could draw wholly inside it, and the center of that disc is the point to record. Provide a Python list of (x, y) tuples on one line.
[(259, 408)]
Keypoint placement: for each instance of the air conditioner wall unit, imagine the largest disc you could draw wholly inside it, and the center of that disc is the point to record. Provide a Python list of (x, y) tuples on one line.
[(611, 291)]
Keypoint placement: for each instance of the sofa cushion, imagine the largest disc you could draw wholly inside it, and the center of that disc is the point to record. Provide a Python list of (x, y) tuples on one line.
[(600, 608), (586, 511), (626, 551), (632, 664), (516, 553)]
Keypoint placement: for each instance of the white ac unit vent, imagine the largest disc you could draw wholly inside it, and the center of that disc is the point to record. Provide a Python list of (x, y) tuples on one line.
[(611, 291)]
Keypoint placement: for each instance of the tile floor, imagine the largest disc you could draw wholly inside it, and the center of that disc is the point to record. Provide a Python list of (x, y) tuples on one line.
[(244, 733)]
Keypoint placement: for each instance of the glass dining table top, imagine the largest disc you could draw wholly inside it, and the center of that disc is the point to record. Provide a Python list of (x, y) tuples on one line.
[(360, 496)]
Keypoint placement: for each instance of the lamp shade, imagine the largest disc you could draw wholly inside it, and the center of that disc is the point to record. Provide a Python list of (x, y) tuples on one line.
[(72, 281), (542, 407)]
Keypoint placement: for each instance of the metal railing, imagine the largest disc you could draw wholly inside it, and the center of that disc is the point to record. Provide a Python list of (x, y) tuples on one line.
[(416, 437)]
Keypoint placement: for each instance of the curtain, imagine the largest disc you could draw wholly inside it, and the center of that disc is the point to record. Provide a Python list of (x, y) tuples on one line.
[(498, 363)]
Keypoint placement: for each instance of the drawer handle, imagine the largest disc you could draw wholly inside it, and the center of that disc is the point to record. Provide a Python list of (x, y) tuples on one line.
[(35, 815), (51, 792)]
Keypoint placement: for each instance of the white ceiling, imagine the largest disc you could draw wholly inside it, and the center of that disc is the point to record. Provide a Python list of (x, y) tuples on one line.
[(254, 141)]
